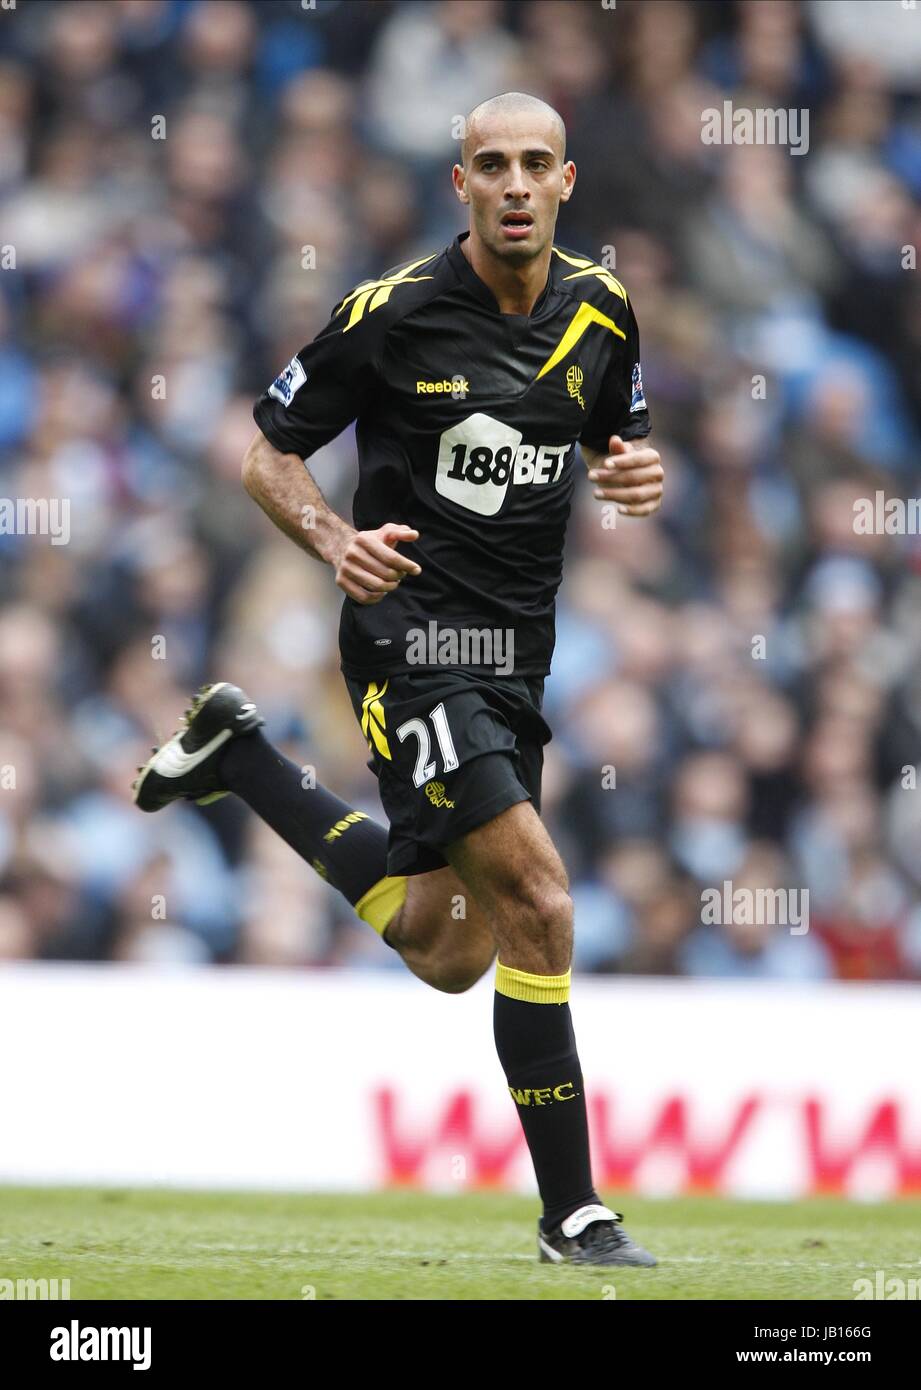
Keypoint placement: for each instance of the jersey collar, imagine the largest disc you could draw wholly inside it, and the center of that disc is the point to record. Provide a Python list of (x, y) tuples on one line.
[(479, 289)]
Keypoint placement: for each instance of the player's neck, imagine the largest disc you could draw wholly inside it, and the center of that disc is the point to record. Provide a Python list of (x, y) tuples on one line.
[(516, 288)]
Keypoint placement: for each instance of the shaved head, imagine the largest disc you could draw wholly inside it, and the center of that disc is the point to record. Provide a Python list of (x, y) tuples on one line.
[(511, 104), (513, 176)]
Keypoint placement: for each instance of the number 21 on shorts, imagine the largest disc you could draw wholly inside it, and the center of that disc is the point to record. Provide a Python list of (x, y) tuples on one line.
[(418, 728)]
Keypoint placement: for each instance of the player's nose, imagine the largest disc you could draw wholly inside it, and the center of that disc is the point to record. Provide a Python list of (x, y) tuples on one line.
[(516, 189)]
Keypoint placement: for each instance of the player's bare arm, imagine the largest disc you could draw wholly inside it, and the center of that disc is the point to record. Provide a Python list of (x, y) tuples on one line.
[(630, 475), (366, 563)]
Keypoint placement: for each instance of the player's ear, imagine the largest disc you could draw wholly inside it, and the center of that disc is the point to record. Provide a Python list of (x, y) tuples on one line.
[(459, 179), (569, 180)]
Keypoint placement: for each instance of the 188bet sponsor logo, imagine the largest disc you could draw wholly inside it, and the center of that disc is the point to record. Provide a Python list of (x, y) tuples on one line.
[(480, 458)]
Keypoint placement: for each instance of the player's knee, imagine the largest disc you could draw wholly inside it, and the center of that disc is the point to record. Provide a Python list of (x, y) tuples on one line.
[(538, 920), (546, 909), (458, 972), (448, 955)]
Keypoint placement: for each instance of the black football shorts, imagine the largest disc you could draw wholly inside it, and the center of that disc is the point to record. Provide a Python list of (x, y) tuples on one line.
[(450, 749)]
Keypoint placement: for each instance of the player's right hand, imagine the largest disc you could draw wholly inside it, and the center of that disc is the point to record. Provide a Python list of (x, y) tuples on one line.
[(370, 566)]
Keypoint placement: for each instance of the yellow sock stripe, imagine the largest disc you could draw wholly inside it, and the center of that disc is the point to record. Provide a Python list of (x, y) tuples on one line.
[(532, 989), (378, 905)]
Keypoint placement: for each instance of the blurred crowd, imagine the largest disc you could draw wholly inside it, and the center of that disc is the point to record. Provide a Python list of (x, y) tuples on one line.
[(187, 187)]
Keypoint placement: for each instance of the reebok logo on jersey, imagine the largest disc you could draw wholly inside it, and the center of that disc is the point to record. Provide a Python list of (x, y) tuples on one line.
[(457, 386)]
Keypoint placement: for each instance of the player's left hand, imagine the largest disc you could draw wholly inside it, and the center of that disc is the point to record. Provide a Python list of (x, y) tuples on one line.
[(631, 476)]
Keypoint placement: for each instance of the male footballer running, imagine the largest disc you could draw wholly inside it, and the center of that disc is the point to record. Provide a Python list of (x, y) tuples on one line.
[(472, 374)]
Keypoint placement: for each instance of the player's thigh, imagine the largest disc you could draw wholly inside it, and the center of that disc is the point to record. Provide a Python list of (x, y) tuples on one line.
[(514, 873)]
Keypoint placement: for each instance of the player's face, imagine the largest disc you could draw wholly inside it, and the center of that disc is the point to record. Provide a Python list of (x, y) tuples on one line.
[(514, 181)]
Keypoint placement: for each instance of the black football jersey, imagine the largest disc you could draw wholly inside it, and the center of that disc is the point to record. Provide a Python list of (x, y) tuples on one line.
[(466, 424)]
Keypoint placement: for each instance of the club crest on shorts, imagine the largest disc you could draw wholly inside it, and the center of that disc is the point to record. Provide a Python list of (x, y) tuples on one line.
[(435, 791), (288, 382), (637, 399)]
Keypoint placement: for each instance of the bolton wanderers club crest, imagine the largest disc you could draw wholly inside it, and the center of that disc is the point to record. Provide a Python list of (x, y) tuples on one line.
[(574, 379)]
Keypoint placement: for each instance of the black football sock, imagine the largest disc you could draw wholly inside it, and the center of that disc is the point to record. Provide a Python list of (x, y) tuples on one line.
[(344, 846), (537, 1048)]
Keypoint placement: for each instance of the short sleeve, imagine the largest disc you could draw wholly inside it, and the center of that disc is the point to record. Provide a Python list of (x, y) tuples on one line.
[(621, 405), (323, 388)]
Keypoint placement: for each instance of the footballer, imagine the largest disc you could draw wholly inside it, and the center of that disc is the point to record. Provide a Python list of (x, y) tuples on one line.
[(472, 375)]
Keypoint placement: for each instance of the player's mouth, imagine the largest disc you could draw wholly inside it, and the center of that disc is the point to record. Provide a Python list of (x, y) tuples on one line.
[(517, 225)]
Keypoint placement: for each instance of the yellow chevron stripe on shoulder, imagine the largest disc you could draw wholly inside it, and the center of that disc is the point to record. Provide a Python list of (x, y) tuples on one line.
[(585, 314), (371, 294), (579, 261), (586, 267)]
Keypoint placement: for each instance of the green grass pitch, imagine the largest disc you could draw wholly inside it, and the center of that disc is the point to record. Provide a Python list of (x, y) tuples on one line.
[(163, 1244)]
